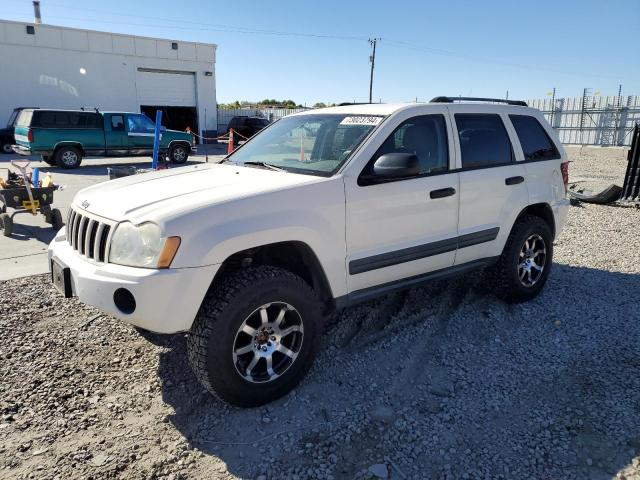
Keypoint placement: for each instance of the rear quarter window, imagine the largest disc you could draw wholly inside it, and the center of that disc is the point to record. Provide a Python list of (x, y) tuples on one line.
[(536, 144), (24, 119), (59, 119)]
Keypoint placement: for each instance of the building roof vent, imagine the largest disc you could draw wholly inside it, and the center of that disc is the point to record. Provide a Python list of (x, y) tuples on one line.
[(36, 12)]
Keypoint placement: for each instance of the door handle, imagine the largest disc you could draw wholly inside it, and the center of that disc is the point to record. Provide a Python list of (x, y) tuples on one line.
[(513, 180), (443, 192)]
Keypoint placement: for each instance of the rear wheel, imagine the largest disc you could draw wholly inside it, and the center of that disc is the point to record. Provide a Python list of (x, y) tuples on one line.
[(525, 263), (179, 153), (6, 148), (68, 157), (255, 336), (6, 223)]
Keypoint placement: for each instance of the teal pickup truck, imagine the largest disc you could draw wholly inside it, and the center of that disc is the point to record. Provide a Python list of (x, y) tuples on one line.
[(63, 137)]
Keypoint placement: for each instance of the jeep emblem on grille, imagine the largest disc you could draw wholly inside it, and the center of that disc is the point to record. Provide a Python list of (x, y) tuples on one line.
[(85, 204)]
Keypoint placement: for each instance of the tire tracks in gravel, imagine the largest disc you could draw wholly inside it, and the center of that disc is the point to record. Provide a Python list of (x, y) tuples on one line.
[(424, 358)]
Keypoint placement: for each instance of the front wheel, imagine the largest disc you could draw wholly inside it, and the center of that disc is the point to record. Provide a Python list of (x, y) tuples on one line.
[(55, 219), (179, 154), (525, 263), (255, 336), (7, 148)]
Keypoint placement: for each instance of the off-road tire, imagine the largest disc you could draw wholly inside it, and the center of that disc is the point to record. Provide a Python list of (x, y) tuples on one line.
[(55, 219), (6, 223), (46, 211), (179, 154), (503, 279), (225, 308), (68, 157)]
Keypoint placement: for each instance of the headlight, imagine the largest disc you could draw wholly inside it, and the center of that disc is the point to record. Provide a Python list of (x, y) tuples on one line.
[(142, 246)]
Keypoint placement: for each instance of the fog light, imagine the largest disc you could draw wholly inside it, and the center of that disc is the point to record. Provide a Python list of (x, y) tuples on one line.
[(124, 300)]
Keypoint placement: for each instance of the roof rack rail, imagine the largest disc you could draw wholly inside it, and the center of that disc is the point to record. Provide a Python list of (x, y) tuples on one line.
[(478, 99), (346, 104)]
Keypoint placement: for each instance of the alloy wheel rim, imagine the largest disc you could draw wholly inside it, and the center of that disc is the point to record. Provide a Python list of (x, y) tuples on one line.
[(268, 342), (178, 154), (69, 158), (532, 260)]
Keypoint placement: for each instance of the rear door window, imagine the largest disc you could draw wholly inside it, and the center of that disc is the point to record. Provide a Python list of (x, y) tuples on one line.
[(117, 123), (484, 141), (536, 144)]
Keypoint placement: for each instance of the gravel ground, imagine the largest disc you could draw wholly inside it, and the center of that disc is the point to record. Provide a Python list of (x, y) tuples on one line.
[(439, 382)]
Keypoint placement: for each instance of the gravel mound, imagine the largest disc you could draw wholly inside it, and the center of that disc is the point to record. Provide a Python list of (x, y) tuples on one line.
[(439, 382)]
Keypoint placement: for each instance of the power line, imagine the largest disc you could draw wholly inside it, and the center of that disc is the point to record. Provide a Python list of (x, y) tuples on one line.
[(207, 26), (210, 27), (473, 58)]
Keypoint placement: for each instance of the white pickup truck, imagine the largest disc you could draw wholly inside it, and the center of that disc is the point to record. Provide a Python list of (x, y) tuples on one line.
[(319, 211)]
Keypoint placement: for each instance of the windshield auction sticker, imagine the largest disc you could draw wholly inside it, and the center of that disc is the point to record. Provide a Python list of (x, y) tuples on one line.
[(361, 120)]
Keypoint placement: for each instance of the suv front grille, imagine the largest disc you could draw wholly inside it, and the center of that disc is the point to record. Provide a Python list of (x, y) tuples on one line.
[(88, 236)]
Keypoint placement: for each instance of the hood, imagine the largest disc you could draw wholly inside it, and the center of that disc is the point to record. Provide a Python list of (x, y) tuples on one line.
[(166, 193)]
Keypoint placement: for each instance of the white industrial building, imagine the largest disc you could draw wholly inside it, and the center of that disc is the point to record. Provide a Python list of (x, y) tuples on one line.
[(48, 66)]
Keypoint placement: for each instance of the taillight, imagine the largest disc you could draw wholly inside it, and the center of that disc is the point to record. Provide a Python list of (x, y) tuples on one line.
[(30, 135), (564, 168)]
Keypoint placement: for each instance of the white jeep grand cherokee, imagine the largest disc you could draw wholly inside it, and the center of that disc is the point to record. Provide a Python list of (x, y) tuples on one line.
[(321, 210)]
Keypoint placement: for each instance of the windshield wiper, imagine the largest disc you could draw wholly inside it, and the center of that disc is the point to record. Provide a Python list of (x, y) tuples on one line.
[(265, 165)]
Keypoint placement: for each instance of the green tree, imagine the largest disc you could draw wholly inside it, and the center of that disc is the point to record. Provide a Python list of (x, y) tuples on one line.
[(319, 105)]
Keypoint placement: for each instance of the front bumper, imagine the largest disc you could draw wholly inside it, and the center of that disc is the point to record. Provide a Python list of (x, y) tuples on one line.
[(167, 300)]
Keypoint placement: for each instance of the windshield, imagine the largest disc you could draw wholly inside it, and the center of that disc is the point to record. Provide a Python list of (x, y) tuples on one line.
[(311, 144)]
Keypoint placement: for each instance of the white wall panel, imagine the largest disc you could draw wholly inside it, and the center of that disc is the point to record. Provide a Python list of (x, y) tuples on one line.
[(48, 37), (75, 39), (145, 47), (100, 42), (123, 45)]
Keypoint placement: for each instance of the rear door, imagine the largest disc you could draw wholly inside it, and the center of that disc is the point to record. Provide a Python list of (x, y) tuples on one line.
[(493, 187), (117, 142)]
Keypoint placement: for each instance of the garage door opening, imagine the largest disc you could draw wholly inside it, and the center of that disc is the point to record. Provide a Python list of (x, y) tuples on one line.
[(174, 118)]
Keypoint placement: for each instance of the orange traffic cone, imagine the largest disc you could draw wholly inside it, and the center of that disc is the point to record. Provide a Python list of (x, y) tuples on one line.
[(230, 145)]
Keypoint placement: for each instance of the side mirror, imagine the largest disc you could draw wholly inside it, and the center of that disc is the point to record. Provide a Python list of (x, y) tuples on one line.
[(396, 165)]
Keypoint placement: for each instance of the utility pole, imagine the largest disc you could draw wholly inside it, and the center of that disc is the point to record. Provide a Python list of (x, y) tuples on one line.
[(372, 59)]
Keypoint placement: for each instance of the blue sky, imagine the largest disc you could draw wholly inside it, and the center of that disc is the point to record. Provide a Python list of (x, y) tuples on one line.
[(428, 48)]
